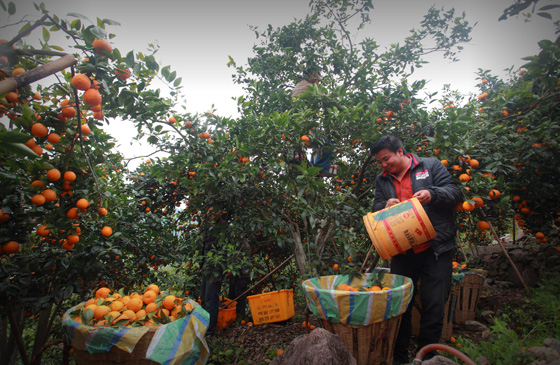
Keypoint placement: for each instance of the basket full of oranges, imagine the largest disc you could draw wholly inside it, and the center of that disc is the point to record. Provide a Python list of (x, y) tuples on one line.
[(144, 327)]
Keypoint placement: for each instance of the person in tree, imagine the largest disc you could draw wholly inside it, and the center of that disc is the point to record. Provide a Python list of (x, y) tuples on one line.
[(405, 176), (322, 155), (211, 271)]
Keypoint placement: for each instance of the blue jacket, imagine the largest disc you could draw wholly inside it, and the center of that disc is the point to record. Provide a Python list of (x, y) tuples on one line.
[(427, 174)]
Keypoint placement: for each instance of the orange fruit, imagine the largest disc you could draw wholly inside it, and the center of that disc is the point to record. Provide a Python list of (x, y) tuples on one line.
[(464, 177), (473, 163), (128, 314), (279, 352), (43, 231), (117, 305), (38, 199), (72, 213), (39, 130), (539, 235), (141, 314), (12, 97), (153, 287), (101, 312), (102, 292), (102, 211), (483, 225), (92, 97), (122, 73), (134, 304), (90, 302), (53, 138), (82, 203), (69, 176), (335, 267), (49, 195), (444, 162), (107, 231), (169, 302), (10, 247), (96, 108), (69, 112), (172, 120), (375, 288), (151, 307), (18, 71), (478, 202), (305, 139), (494, 194), (101, 45), (149, 297), (53, 174), (37, 149), (81, 82), (73, 239), (516, 198), (468, 206), (85, 129), (98, 115)]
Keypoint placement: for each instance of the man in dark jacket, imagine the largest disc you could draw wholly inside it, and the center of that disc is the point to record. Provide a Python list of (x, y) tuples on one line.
[(406, 176)]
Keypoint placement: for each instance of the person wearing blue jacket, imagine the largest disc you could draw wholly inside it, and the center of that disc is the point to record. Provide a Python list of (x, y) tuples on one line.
[(405, 176)]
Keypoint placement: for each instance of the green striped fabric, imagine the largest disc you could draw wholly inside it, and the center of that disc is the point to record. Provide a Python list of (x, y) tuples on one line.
[(358, 307)]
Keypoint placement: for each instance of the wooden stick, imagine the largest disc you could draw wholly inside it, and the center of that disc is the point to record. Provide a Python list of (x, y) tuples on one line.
[(260, 281), (36, 74), (506, 253)]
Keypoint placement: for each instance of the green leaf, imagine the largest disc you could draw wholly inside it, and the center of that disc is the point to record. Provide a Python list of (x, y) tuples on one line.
[(129, 60), (24, 28), (545, 15), (46, 35), (11, 8), (172, 76), (151, 63), (17, 149), (13, 137), (177, 82), (99, 32), (549, 7), (78, 15)]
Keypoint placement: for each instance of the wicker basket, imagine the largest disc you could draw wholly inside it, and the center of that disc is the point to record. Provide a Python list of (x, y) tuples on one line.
[(449, 313), (467, 299), (371, 344), (118, 356)]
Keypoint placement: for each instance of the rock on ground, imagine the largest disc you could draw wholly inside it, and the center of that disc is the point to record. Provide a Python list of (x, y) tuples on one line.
[(320, 347)]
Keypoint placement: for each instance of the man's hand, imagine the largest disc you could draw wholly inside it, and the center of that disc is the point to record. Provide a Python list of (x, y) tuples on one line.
[(392, 202), (424, 196)]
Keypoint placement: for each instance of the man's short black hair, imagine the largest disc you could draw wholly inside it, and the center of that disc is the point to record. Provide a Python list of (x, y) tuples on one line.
[(390, 143)]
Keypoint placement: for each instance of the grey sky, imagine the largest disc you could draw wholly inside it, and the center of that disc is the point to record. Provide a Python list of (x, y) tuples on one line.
[(196, 38)]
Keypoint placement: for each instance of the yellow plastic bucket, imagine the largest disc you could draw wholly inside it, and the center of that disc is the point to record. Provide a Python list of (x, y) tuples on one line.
[(397, 229)]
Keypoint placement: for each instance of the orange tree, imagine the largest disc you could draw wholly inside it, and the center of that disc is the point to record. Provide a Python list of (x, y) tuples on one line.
[(71, 221), (500, 145)]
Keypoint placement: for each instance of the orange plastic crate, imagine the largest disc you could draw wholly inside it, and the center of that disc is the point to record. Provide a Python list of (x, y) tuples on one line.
[(227, 315), (272, 307)]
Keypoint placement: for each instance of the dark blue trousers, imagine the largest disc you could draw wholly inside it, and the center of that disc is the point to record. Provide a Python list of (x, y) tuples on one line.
[(435, 275)]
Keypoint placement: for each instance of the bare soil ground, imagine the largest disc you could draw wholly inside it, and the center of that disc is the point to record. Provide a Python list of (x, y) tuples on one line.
[(258, 344)]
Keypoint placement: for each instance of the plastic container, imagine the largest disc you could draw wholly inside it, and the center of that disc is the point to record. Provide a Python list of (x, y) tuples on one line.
[(227, 315), (272, 307), (397, 229)]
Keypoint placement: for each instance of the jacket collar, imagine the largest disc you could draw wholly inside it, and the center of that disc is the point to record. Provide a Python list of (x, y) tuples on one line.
[(414, 161)]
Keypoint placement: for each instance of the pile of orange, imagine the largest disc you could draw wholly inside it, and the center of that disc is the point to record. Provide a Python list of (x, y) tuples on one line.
[(113, 309), (346, 287)]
